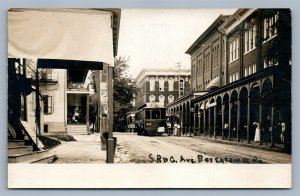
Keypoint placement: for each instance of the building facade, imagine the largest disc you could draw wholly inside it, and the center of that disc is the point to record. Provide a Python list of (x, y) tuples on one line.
[(161, 85), (251, 98)]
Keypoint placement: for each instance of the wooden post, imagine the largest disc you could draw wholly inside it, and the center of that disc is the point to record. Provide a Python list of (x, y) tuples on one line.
[(215, 120), (238, 120), (110, 146), (88, 113), (248, 120), (229, 121), (272, 125), (223, 118), (260, 122), (204, 122), (209, 122)]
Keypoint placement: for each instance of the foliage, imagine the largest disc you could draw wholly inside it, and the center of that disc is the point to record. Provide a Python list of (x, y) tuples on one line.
[(124, 91)]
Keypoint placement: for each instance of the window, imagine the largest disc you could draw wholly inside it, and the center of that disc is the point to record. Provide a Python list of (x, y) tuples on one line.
[(270, 62), (270, 26), (230, 78), (254, 68), (246, 71), (181, 87), (152, 84), (250, 37), (47, 104), (161, 99), (250, 69), (152, 98), (46, 128), (155, 114), (148, 114), (236, 75), (161, 84), (171, 84), (234, 50), (170, 98)]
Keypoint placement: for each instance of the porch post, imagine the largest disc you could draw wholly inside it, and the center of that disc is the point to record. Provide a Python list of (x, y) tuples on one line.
[(111, 146), (248, 120), (229, 121), (209, 122), (215, 120), (88, 113), (204, 122), (238, 120), (272, 125), (223, 118), (260, 121)]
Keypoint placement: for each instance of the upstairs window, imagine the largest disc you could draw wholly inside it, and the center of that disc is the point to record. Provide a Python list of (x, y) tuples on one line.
[(270, 26), (161, 84), (152, 84), (250, 37), (171, 84), (234, 50)]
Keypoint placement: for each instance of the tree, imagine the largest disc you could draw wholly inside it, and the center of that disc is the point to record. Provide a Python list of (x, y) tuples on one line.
[(124, 92)]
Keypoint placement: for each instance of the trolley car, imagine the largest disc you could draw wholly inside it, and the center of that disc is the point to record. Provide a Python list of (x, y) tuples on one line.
[(151, 118)]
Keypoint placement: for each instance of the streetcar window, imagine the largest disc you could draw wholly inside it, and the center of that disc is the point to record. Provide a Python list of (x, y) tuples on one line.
[(148, 114), (155, 114), (163, 114)]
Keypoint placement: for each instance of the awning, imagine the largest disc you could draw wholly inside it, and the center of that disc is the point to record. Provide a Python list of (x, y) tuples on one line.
[(214, 83), (68, 34)]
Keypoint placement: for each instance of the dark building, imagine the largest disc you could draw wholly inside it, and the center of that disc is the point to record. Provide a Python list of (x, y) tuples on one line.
[(243, 63)]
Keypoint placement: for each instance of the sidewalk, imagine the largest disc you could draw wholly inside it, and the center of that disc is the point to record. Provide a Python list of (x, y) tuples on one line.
[(251, 145), (87, 149)]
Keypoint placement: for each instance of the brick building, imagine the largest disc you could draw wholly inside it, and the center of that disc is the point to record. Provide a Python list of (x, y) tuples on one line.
[(161, 85), (242, 64)]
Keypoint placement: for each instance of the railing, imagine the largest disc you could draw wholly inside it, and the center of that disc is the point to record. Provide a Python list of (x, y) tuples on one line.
[(77, 86)]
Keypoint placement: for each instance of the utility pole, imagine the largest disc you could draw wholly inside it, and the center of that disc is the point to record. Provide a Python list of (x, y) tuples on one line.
[(178, 64)]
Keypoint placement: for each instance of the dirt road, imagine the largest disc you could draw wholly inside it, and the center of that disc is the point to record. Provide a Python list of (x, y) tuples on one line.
[(141, 149)]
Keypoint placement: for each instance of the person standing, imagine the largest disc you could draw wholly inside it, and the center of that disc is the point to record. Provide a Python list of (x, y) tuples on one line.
[(169, 128), (257, 132)]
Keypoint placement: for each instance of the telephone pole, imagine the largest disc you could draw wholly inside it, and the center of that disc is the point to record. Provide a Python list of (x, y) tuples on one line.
[(178, 64)]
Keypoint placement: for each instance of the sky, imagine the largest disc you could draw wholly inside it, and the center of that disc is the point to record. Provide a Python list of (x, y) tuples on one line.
[(159, 38)]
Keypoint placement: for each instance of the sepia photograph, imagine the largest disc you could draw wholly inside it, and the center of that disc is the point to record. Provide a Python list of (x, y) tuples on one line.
[(140, 88)]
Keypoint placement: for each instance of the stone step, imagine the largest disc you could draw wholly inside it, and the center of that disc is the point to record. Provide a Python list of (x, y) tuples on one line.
[(13, 143), (19, 150), (77, 133), (25, 157)]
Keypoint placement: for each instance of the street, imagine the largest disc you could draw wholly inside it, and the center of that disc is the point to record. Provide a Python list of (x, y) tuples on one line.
[(132, 148)]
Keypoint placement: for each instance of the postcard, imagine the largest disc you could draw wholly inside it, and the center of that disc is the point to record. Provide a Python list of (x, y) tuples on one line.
[(149, 98)]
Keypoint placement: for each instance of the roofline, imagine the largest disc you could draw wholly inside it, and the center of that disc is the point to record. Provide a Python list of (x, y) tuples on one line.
[(142, 74), (214, 26)]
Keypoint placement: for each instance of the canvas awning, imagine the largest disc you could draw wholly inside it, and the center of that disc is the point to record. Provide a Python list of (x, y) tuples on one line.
[(213, 83), (68, 34)]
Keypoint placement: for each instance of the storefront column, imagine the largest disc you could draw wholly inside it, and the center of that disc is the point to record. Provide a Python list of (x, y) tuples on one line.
[(260, 121), (272, 125), (248, 120), (229, 121), (238, 120), (199, 124), (209, 122), (88, 113), (215, 120), (204, 122), (194, 123), (223, 109)]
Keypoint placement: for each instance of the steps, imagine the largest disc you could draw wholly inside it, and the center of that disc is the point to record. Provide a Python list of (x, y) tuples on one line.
[(19, 152), (77, 129)]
